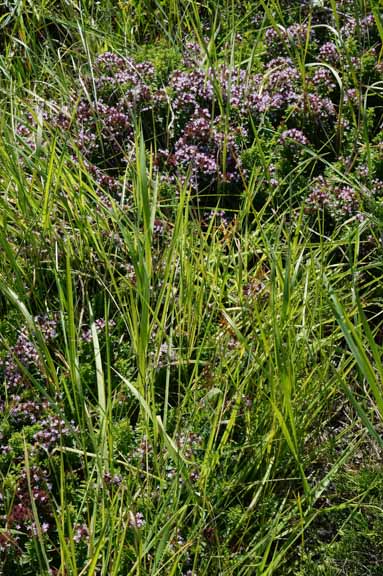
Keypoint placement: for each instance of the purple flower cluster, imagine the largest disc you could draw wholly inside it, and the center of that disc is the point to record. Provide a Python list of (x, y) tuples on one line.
[(45, 422), (136, 520), (200, 120), (320, 108), (100, 324), (200, 149), (53, 431), (80, 533), (190, 89), (324, 79), (281, 39), (112, 480), (23, 406), (329, 53), (293, 136), (24, 353), (189, 443), (18, 521), (338, 200), (192, 54), (200, 141), (24, 412)]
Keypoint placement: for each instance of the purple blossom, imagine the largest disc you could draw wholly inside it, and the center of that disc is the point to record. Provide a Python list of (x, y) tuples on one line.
[(329, 53), (44, 527), (319, 107), (345, 199), (337, 199), (136, 520), (203, 118), (319, 196), (100, 324), (352, 96), (324, 78), (293, 135), (81, 533), (114, 480), (367, 23), (24, 352), (192, 54), (54, 429), (299, 34), (377, 186)]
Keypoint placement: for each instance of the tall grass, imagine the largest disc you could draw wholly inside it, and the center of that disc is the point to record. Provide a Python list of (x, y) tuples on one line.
[(236, 372)]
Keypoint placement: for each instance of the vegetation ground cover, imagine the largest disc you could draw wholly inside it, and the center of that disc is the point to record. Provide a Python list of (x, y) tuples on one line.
[(190, 288)]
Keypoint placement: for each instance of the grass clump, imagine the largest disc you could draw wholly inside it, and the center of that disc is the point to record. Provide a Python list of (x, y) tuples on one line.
[(190, 300)]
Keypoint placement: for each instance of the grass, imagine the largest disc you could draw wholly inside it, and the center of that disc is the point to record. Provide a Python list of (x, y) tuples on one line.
[(208, 396)]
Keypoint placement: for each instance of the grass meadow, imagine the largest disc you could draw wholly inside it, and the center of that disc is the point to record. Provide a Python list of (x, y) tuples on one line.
[(191, 225)]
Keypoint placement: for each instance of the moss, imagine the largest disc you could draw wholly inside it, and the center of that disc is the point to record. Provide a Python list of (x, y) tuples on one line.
[(164, 58)]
